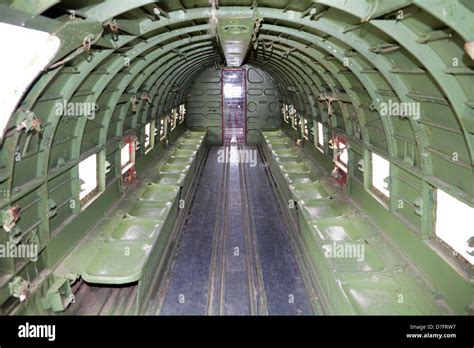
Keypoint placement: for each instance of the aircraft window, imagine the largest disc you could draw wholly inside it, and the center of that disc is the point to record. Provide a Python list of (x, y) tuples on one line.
[(163, 126), (296, 121), (127, 159), (320, 137), (305, 128), (148, 138), (173, 119), (341, 154), (291, 115), (88, 178), (344, 156), (380, 174), (454, 224), (285, 113), (182, 112)]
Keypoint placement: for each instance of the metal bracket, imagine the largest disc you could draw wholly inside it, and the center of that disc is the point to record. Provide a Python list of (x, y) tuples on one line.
[(51, 208), (108, 167), (130, 176), (470, 244), (59, 296), (10, 218), (134, 102), (146, 97), (30, 124), (329, 99), (418, 205), (258, 19), (469, 48), (361, 165), (19, 288), (87, 43), (286, 54), (112, 24)]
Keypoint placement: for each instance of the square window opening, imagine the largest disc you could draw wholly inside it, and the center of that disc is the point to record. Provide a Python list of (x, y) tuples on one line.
[(380, 175), (148, 138), (127, 155), (182, 113), (163, 125), (285, 113), (320, 146), (341, 153), (173, 119), (305, 129), (88, 178), (454, 224), (291, 115)]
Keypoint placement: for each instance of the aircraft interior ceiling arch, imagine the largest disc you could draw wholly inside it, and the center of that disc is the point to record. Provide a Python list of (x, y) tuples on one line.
[(96, 93)]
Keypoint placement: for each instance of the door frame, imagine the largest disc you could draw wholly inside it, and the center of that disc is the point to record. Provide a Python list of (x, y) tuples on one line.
[(244, 70)]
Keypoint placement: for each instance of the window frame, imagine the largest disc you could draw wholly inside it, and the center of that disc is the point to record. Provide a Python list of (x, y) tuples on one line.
[(163, 127), (379, 190), (173, 119), (320, 136), (339, 139), (451, 215), (131, 142), (86, 198), (285, 113), (149, 143), (182, 113), (305, 128), (291, 115)]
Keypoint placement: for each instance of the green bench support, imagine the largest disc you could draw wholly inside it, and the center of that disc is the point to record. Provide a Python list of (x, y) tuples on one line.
[(358, 271), (128, 244)]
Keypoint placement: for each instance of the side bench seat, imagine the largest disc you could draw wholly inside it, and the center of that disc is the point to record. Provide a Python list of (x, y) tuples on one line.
[(130, 241), (369, 280)]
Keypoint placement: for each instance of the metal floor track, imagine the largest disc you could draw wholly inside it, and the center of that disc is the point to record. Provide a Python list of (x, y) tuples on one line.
[(234, 256)]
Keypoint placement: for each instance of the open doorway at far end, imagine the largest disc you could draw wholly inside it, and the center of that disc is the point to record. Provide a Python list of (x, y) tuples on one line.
[(234, 102)]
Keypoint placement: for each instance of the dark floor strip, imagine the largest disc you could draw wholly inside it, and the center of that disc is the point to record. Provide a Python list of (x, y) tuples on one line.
[(216, 294), (256, 284), (188, 288), (234, 256), (284, 288), (236, 276)]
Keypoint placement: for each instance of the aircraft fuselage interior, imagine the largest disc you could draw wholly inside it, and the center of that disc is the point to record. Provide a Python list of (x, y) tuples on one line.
[(237, 157)]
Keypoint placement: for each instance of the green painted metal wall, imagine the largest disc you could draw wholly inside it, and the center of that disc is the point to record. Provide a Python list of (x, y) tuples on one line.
[(205, 109), (336, 61), (456, 288)]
